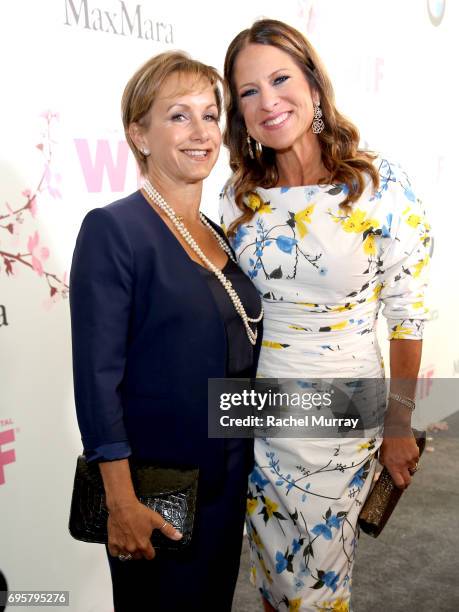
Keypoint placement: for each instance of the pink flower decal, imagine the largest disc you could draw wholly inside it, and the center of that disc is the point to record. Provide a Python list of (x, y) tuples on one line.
[(14, 260), (49, 115), (39, 254), (52, 180), (33, 206), (31, 202), (8, 267)]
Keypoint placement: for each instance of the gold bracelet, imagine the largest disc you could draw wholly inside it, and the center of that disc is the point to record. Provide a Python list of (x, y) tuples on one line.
[(402, 399)]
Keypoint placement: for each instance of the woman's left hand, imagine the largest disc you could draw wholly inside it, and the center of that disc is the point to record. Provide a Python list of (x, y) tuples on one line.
[(400, 455)]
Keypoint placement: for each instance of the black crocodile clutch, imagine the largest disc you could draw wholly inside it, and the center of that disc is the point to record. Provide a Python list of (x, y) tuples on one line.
[(171, 492)]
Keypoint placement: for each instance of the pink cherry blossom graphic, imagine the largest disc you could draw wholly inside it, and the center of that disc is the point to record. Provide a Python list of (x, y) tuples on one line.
[(16, 218), (31, 202), (39, 254), (51, 181)]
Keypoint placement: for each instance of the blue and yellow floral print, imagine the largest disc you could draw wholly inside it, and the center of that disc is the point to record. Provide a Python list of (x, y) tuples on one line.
[(324, 273)]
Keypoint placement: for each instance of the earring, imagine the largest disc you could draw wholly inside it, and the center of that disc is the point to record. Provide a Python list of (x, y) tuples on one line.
[(258, 147), (249, 146), (317, 124), (145, 152)]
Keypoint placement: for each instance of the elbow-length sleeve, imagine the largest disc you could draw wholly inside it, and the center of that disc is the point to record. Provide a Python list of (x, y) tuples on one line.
[(101, 281), (406, 263)]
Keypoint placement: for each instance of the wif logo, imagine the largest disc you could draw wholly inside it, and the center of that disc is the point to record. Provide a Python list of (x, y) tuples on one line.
[(6, 456), (425, 382)]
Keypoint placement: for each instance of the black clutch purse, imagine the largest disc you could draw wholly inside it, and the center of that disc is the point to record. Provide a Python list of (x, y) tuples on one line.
[(383, 497), (170, 492)]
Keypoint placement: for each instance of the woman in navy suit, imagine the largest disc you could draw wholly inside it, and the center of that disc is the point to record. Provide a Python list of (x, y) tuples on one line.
[(153, 318)]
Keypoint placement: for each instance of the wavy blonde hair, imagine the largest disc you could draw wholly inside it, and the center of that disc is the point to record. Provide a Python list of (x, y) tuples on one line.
[(339, 141)]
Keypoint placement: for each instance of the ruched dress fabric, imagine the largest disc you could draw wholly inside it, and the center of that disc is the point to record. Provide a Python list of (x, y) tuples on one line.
[(323, 272)]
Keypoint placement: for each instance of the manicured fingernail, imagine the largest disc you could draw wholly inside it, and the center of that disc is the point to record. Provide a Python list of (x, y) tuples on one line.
[(177, 535)]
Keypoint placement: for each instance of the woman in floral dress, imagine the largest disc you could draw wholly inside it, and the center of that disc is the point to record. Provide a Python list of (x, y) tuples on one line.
[(327, 233)]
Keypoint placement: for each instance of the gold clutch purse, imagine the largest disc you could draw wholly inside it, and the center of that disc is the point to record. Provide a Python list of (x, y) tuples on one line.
[(383, 497)]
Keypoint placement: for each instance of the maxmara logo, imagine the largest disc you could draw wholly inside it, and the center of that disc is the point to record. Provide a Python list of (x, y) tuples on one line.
[(124, 21)]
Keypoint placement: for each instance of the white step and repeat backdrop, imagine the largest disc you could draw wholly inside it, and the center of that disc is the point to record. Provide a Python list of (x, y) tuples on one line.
[(64, 64)]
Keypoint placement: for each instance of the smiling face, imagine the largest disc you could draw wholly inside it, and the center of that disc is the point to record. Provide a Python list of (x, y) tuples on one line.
[(274, 96), (182, 133)]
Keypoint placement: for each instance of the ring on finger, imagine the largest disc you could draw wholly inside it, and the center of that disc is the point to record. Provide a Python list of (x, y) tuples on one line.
[(413, 469), (126, 557), (163, 525)]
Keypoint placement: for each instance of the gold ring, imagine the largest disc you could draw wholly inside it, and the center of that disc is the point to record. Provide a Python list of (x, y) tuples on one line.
[(162, 526)]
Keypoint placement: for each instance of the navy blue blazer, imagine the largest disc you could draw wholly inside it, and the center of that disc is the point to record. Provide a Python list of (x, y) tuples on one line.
[(146, 336)]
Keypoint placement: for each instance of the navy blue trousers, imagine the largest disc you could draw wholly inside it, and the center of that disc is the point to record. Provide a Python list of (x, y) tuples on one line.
[(203, 576)]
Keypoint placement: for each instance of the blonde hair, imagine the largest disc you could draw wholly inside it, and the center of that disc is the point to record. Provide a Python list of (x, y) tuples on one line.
[(338, 141), (143, 87)]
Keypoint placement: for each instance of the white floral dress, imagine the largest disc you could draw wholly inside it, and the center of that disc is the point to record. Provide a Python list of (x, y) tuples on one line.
[(323, 274)]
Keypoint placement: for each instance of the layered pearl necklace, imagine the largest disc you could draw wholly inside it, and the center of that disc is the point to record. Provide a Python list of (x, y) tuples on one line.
[(157, 199)]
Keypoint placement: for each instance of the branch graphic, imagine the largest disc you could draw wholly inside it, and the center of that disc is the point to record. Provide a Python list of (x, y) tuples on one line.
[(13, 218)]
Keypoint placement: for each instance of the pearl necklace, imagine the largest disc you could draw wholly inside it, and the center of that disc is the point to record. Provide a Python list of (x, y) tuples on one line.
[(157, 199)]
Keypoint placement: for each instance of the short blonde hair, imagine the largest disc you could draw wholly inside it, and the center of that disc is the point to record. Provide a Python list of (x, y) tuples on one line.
[(143, 87)]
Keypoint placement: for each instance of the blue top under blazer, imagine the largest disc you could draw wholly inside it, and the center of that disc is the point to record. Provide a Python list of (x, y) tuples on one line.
[(147, 335)]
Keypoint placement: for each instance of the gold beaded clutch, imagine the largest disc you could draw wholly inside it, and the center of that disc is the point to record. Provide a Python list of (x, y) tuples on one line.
[(383, 497)]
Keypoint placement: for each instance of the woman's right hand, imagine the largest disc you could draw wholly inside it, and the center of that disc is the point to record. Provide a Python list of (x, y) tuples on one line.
[(130, 523), (130, 526)]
